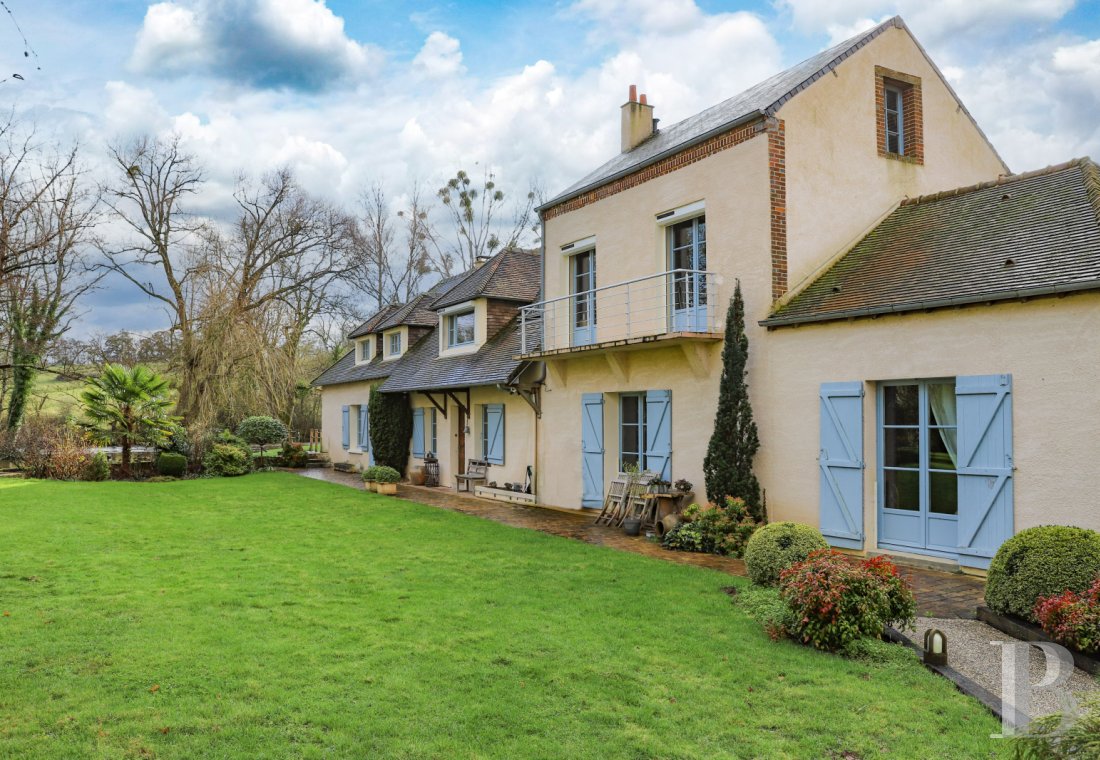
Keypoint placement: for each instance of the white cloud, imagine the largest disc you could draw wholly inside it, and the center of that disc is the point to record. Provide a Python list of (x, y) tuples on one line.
[(932, 19), (440, 57), (298, 44)]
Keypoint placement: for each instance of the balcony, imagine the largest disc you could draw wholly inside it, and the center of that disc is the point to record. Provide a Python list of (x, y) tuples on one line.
[(678, 305)]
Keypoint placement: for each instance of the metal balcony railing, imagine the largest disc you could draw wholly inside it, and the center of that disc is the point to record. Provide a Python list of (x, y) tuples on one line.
[(677, 301)]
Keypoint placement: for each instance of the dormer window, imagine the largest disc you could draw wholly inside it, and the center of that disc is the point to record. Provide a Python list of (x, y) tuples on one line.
[(364, 350), (460, 328), (898, 115), (393, 343)]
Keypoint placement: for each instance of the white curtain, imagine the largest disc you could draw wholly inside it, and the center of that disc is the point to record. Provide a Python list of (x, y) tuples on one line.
[(942, 399)]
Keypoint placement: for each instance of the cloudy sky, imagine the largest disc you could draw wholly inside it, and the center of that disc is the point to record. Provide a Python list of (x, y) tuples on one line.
[(348, 92)]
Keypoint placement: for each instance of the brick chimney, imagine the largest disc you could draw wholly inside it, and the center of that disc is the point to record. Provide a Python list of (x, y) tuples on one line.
[(638, 122)]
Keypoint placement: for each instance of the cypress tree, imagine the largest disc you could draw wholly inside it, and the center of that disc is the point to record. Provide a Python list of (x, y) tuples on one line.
[(390, 428), (728, 464)]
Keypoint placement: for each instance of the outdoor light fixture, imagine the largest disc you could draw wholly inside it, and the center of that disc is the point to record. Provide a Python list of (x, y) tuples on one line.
[(935, 647)]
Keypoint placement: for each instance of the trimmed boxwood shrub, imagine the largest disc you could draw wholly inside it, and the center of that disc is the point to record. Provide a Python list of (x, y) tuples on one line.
[(172, 464), (1038, 562), (262, 431), (381, 474), (227, 460), (775, 547)]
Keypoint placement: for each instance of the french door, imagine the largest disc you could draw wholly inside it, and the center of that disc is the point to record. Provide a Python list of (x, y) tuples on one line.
[(918, 478), (688, 254), (583, 277)]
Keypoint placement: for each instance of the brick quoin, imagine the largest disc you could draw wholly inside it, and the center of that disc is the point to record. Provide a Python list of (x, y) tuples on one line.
[(777, 198)]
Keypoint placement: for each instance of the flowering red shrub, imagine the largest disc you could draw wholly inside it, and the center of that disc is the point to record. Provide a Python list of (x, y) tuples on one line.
[(1072, 619), (836, 601)]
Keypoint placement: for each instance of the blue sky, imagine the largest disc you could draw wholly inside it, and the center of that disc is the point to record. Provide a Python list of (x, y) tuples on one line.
[(352, 92)]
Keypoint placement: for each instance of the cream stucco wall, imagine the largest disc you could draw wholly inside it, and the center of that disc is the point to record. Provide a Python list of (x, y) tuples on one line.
[(733, 185), (1049, 346), (519, 436), (837, 184), (333, 399)]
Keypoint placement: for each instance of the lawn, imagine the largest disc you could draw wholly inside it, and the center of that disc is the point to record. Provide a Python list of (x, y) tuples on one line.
[(273, 616)]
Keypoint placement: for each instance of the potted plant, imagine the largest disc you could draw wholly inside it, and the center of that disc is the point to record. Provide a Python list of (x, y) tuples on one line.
[(659, 486), (684, 486), (383, 479)]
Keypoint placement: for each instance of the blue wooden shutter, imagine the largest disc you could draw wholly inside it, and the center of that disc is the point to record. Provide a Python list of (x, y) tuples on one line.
[(494, 433), (364, 429), (418, 433), (840, 503), (985, 466), (592, 449), (658, 433), (345, 429)]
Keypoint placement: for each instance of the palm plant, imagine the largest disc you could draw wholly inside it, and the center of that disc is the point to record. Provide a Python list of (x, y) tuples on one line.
[(129, 405)]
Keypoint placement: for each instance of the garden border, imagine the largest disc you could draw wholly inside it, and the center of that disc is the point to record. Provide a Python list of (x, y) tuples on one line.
[(1025, 631), (964, 684)]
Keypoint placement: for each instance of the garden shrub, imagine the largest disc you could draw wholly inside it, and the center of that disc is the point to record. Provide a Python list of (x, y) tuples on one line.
[(1038, 562), (226, 460), (713, 530), (777, 546), (1047, 738), (98, 469), (161, 479), (381, 474), (177, 440), (293, 455), (172, 464), (834, 601), (390, 428), (47, 447), (262, 431), (1072, 619)]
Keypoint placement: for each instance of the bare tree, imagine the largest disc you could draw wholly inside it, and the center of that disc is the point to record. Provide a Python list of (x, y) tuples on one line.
[(29, 175), (41, 294), (155, 179), (476, 229)]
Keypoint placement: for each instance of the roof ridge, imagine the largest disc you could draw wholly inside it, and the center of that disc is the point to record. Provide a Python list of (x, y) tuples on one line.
[(1092, 183), (1004, 179)]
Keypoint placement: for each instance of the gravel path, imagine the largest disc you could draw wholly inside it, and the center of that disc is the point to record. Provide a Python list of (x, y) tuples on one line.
[(969, 651)]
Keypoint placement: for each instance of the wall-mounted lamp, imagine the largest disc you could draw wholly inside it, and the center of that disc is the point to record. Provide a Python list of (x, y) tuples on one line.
[(935, 647)]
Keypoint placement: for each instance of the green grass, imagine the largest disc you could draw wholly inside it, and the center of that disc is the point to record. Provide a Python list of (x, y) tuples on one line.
[(273, 616)]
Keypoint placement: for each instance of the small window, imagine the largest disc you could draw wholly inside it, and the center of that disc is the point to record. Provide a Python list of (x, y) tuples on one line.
[(632, 430), (363, 351), (460, 329), (395, 344), (895, 121)]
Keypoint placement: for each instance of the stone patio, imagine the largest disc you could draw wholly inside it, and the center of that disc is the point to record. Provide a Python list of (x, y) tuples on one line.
[(938, 594)]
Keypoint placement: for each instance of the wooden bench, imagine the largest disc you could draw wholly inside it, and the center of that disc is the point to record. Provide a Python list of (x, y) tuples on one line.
[(475, 473)]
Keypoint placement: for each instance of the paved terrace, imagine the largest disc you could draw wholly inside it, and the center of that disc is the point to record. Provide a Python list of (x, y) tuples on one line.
[(938, 594)]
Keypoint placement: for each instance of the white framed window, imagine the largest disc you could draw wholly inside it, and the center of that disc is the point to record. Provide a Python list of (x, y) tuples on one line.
[(895, 120), (364, 350), (395, 344), (461, 328)]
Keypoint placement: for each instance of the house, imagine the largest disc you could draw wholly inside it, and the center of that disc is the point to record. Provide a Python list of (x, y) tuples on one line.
[(922, 323), (453, 352)]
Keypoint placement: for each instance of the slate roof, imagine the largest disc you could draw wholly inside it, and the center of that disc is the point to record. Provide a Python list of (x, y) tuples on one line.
[(1026, 235), (511, 275), (760, 100), (371, 325), (415, 313), (422, 369), (346, 371)]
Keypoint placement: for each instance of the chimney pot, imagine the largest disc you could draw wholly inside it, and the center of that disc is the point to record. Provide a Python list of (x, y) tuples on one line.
[(637, 121)]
